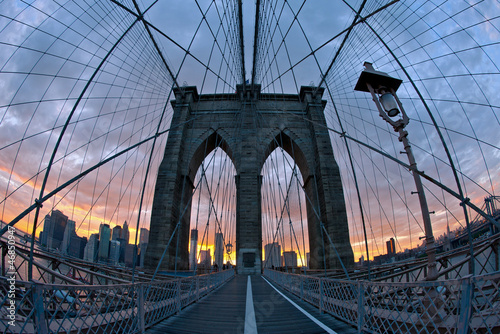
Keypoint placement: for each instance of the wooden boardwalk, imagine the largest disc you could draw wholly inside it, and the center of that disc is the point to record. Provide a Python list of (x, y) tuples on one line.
[(228, 311)]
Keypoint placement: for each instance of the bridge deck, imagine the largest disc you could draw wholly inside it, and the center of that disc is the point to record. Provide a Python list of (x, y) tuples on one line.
[(230, 311)]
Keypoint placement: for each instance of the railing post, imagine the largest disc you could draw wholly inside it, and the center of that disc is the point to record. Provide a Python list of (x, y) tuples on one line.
[(141, 313), (179, 301), (320, 295), (361, 306), (301, 288), (40, 322), (197, 288), (466, 291)]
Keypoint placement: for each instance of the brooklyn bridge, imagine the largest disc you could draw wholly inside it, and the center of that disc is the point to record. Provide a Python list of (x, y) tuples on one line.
[(249, 167)]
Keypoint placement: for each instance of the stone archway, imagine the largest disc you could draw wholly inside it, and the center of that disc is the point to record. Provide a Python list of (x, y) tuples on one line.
[(245, 126)]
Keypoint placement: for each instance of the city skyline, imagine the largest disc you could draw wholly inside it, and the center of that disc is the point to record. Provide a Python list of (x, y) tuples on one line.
[(453, 77)]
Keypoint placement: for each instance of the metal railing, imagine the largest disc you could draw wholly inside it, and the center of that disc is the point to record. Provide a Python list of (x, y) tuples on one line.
[(117, 308), (467, 305)]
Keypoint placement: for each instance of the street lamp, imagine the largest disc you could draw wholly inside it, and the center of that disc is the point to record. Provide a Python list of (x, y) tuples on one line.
[(383, 89)]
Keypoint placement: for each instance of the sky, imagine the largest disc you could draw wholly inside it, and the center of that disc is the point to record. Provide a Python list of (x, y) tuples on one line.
[(55, 62)]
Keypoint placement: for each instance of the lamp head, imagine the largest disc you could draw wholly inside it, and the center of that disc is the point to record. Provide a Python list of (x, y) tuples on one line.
[(376, 79), (389, 103)]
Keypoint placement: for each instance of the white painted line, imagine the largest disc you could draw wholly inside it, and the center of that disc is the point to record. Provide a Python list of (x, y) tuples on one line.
[(316, 321), (250, 323)]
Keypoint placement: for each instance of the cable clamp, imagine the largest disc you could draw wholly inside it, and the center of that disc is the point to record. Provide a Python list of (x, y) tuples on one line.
[(465, 201)]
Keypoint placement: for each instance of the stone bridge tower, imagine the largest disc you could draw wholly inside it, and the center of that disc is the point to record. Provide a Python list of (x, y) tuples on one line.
[(248, 126)]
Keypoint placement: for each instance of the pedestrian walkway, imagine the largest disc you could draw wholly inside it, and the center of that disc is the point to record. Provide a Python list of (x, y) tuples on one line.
[(269, 310)]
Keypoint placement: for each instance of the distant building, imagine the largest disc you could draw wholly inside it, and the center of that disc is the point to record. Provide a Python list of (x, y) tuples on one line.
[(54, 227), (77, 246), (205, 258), (144, 237), (193, 249), (273, 255), (219, 250), (46, 227), (142, 254), (123, 246), (69, 232), (391, 247), (104, 237), (117, 232), (130, 253), (290, 259), (114, 251), (125, 233), (92, 248)]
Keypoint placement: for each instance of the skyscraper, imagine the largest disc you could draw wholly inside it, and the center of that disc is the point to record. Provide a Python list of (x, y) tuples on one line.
[(144, 237), (117, 232), (125, 233), (46, 227), (55, 230), (143, 243), (290, 259), (391, 247), (219, 250), (104, 237), (142, 254), (76, 247), (69, 232), (193, 249), (273, 255), (91, 249), (205, 258), (114, 251)]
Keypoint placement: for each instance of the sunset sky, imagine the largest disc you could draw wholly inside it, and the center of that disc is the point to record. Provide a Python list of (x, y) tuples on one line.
[(448, 55)]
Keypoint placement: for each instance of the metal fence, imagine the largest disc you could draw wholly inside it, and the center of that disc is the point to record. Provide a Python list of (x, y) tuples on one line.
[(467, 305), (117, 308)]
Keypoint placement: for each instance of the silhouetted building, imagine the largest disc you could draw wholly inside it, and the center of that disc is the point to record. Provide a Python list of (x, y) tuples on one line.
[(144, 237), (219, 250), (77, 246), (290, 259), (117, 233), (391, 247), (46, 227), (69, 232), (123, 246), (125, 233), (92, 248), (273, 255), (130, 253), (205, 258), (114, 251), (104, 237), (54, 227), (193, 249), (142, 254)]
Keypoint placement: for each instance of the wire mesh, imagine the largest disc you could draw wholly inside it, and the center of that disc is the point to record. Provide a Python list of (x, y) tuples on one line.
[(452, 306)]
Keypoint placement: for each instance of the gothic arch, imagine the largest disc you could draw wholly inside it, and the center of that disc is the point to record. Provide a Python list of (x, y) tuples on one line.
[(212, 140), (249, 126), (287, 141)]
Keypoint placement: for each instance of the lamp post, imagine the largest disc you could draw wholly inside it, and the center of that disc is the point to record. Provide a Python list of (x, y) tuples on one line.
[(383, 89)]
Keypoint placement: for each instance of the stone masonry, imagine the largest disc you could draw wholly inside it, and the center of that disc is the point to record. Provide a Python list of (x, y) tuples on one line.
[(248, 126)]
